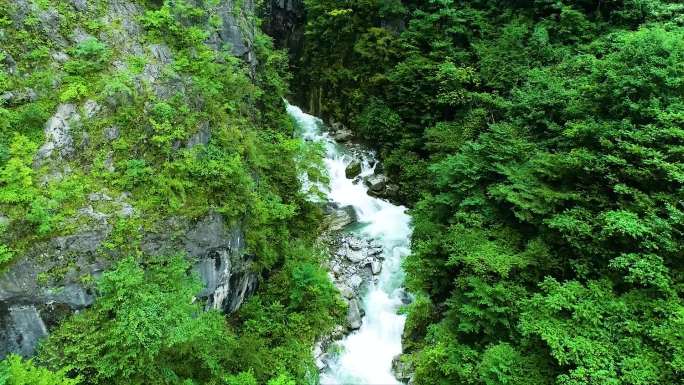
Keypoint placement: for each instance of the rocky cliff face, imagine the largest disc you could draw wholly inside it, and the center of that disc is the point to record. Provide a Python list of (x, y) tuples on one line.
[(29, 306), (54, 278), (285, 22)]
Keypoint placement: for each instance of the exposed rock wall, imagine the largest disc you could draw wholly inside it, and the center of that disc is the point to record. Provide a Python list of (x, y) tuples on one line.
[(32, 304), (30, 307), (285, 22)]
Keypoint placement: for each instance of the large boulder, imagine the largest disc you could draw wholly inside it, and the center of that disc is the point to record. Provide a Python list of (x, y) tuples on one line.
[(58, 139), (343, 135), (21, 327), (403, 369), (354, 315), (376, 183), (353, 169), (338, 218), (376, 267)]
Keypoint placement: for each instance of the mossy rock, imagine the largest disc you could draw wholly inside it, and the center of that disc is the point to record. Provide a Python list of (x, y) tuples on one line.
[(353, 170)]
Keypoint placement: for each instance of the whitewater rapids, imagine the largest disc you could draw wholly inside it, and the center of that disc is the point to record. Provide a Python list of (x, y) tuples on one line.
[(366, 354)]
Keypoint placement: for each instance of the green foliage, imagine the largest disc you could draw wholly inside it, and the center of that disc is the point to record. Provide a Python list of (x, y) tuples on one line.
[(73, 91), (6, 254), (144, 328), (16, 177), (243, 378), (296, 307), (540, 144), (603, 337), (89, 55), (15, 371), (282, 379)]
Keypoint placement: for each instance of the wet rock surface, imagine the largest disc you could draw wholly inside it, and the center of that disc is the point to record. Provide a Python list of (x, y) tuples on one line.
[(376, 183), (353, 170), (353, 264), (337, 218)]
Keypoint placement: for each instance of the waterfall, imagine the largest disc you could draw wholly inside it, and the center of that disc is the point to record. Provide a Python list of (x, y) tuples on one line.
[(366, 354)]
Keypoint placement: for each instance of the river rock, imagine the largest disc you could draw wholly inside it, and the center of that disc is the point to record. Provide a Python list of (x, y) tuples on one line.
[(320, 356), (354, 315), (354, 256), (346, 292), (392, 190), (376, 267), (356, 244), (403, 369), (353, 169), (343, 135), (405, 297), (355, 281), (338, 218), (336, 269), (376, 183)]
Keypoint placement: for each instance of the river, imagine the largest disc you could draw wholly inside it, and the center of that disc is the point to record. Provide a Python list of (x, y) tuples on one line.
[(366, 354)]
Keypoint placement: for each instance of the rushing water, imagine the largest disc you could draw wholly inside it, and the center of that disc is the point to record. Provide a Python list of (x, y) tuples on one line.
[(367, 353)]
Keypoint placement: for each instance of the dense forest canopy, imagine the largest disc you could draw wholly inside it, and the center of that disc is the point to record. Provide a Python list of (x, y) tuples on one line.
[(545, 139)]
